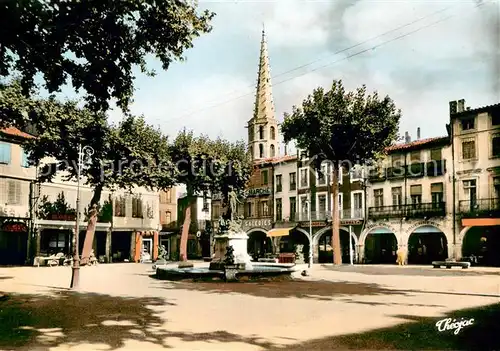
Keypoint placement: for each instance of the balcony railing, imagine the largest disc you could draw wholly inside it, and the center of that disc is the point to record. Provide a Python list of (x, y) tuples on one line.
[(414, 170), (479, 208), (327, 215), (430, 209)]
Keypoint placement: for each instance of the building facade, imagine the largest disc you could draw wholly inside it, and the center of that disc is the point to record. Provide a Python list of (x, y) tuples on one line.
[(476, 181), (38, 219)]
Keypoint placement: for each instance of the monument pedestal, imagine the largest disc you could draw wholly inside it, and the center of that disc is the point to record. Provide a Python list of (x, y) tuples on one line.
[(239, 243)]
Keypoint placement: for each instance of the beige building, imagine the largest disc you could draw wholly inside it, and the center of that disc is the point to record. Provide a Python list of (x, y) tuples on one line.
[(476, 161), (39, 219), (409, 198)]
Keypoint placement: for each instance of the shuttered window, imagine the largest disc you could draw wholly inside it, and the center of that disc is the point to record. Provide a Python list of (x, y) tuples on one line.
[(416, 190), (5, 152), (13, 192), (437, 188)]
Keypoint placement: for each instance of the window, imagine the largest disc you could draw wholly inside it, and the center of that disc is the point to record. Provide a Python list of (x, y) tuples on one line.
[(304, 207), (293, 181), (378, 194), (495, 118), (468, 123), (293, 207), (322, 174), (13, 192), (279, 183), (470, 189), (304, 177), (279, 210), (273, 133), (496, 188), (57, 241), (356, 173), (24, 159), (248, 210), (215, 211), (261, 151), (261, 132), (137, 207), (397, 160), (437, 193), (168, 196), (120, 206), (436, 155), (250, 133), (271, 151), (264, 209), (264, 177), (357, 204), (416, 194), (341, 205), (468, 149), (5, 151), (168, 217), (397, 196), (415, 156), (495, 146), (322, 206)]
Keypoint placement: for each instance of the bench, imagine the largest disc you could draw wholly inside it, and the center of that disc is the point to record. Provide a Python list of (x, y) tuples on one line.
[(449, 264)]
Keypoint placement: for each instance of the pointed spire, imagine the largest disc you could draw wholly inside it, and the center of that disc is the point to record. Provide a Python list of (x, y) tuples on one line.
[(264, 104)]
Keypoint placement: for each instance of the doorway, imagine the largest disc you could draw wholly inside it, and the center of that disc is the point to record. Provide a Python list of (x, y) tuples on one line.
[(147, 249)]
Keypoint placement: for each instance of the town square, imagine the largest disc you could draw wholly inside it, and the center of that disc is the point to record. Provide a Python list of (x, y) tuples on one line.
[(249, 175)]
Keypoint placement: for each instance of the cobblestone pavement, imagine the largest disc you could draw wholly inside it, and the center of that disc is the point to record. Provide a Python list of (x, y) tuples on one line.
[(120, 306)]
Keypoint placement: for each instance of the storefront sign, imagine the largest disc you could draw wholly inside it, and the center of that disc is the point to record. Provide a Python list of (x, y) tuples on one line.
[(379, 225), (350, 222), (61, 217), (421, 223), (15, 228), (261, 223)]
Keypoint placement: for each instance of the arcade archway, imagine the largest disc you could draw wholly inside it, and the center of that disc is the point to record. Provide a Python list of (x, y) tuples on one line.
[(483, 245), (380, 246), (426, 244), (325, 250), (258, 244), (296, 242)]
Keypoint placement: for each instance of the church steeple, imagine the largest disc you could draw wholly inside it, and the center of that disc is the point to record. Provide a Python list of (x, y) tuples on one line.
[(263, 127)]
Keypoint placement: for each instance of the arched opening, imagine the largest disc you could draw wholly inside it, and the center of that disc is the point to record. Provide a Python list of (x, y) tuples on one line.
[(482, 245), (325, 249), (261, 132), (258, 244), (427, 244), (271, 151), (381, 246), (273, 133), (296, 242), (261, 151)]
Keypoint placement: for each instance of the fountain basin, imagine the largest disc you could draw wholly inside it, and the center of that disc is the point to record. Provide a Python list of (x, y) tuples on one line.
[(255, 272)]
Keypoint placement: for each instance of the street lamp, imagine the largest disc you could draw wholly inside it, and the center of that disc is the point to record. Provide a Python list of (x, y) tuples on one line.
[(308, 202), (75, 277)]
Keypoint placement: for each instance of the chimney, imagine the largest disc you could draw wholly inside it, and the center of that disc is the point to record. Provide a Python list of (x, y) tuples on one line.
[(461, 105), (453, 107), (286, 151), (407, 137), (418, 133)]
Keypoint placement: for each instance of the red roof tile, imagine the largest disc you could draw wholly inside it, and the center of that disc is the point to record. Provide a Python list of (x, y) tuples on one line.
[(13, 131), (411, 144), (275, 160)]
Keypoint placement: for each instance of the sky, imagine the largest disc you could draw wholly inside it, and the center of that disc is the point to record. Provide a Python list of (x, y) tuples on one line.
[(442, 51)]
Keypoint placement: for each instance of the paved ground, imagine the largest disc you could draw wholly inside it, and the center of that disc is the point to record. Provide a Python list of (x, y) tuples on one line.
[(121, 306)]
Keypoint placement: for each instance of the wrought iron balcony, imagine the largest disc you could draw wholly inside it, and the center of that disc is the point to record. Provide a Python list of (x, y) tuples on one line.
[(430, 209), (327, 215), (479, 208)]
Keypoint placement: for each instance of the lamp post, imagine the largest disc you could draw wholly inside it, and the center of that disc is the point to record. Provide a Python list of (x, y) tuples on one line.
[(75, 277), (310, 234)]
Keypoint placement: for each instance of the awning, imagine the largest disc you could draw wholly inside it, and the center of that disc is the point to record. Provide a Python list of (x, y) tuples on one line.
[(278, 232)]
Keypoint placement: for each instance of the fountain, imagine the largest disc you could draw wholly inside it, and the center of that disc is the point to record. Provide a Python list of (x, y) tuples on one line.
[(231, 261)]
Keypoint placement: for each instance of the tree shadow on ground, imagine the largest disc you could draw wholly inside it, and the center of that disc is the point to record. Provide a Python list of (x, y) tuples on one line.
[(420, 334), (319, 290), (41, 322)]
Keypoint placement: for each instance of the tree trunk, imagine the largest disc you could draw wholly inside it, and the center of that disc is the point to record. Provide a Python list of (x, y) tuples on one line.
[(185, 232), (89, 235), (337, 252)]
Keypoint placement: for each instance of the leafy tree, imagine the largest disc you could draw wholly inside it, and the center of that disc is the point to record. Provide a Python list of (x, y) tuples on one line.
[(206, 165), (342, 128), (94, 45)]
